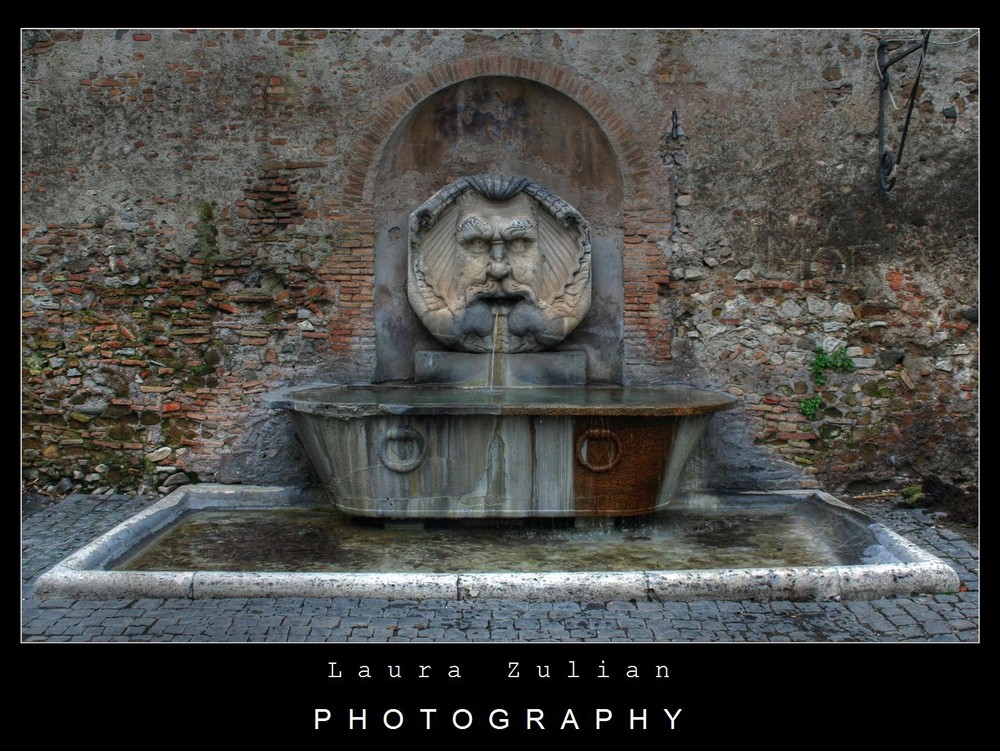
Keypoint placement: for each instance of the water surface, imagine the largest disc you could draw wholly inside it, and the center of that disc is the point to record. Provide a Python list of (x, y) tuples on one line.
[(319, 539)]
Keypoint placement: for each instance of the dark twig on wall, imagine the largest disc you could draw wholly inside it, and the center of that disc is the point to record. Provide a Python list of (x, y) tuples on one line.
[(888, 163)]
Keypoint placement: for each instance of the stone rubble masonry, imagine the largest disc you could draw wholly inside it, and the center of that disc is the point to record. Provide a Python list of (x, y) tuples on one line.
[(198, 228)]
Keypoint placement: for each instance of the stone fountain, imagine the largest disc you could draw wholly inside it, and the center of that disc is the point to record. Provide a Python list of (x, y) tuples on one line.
[(501, 421)]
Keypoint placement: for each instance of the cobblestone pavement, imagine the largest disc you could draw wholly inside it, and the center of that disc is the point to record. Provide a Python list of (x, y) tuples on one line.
[(53, 532)]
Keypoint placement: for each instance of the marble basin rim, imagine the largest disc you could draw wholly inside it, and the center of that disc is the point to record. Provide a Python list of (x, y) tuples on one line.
[(350, 401), (903, 567)]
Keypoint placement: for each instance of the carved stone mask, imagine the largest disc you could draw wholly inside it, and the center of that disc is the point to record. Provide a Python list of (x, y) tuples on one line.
[(499, 263)]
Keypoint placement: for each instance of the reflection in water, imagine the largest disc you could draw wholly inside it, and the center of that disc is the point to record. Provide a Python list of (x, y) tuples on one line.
[(323, 540)]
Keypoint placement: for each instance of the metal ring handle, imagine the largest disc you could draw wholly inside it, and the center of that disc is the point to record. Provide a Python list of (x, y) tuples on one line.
[(402, 435), (601, 434)]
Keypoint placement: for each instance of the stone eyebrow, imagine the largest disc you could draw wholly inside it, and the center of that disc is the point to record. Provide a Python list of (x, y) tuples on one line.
[(474, 228), (518, 228)]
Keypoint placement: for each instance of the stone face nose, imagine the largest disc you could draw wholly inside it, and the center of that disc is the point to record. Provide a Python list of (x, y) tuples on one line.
[(498, 270), (498, 267)]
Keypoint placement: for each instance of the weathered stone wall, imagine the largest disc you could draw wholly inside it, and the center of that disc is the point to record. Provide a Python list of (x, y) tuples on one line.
[(201, 212)]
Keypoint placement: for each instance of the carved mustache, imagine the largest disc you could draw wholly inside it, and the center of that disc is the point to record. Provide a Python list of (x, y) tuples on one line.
[(506, 287)]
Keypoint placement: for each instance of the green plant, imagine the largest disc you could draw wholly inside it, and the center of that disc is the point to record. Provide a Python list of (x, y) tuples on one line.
[(823, 361), (148, 471), (205, 230), (809, 407), (34, 362), (200, 368)]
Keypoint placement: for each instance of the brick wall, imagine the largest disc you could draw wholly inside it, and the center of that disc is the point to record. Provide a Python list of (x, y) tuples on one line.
[(199, 227)]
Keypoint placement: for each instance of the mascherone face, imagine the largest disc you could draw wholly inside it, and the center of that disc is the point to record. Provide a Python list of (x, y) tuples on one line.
[(499, 264), (498, 244)]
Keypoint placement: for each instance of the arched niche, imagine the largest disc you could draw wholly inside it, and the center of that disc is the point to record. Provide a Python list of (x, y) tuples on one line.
[(507, 125)]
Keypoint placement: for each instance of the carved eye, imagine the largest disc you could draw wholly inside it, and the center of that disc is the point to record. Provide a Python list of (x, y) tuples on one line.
[(517, 245), (474, 244)]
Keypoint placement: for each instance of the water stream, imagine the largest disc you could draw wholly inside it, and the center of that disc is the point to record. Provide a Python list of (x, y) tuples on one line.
[(495, 377)]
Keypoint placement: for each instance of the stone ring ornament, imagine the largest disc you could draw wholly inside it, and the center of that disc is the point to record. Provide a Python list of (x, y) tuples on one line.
[(401, 449), (498, 263), (608, 449)]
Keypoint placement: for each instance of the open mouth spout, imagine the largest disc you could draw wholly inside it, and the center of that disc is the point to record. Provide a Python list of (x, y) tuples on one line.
[(498, 298)]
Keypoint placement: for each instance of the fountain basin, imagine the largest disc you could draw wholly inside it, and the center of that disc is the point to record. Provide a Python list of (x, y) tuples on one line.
[(453, 452), (849, 556)]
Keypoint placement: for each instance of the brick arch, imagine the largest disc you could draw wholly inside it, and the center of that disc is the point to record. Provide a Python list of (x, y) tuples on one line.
[(623, 140), (647, 221)]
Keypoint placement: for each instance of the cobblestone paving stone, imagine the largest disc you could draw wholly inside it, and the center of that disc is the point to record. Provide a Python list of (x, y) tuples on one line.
[(53, 532)]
